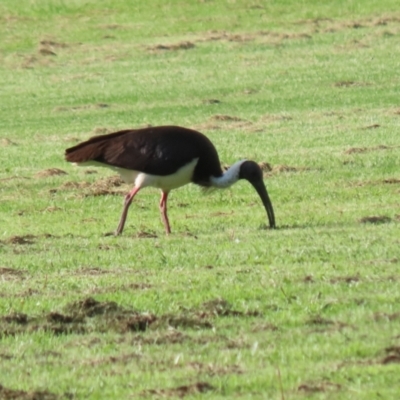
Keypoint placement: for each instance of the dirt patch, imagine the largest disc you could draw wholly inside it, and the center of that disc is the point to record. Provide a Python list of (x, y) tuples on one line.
[(219, 121), (214, 36), (71, 185), (101, 187), (50, 172), (172, 47), (225, 118), (388, 181), (264, 327), (286, 168), (80, 317), (308, 279), (83, 107), (184, 320), (393, 355), (324, 325), (269, 169), (221, 308), (52, 43), (51, 209), (181, 391), (379, 316), (373, 126), (268, 37), (318, 320), (104, 187), (92, 271), (9, 274), (348, 84), (345, 279), (145, 235), (25, 239), (275, 118), (215, 370), (12, 394), (216, 101), (265, 167), (378, 219), (391, 181), (4, 142), (355, 150), (317, 387), (101, 130), (89, 315), (48, 47)]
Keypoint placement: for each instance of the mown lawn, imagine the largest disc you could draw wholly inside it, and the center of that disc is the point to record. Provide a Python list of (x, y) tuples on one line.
[(224, 307)]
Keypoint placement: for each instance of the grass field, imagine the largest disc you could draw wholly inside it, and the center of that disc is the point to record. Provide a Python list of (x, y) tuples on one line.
[(223, 307)]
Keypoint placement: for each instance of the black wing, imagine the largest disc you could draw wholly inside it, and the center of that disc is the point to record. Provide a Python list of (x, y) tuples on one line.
[(156, 150)]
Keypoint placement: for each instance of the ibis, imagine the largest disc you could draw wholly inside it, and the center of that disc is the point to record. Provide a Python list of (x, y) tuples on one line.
[(165, 157)]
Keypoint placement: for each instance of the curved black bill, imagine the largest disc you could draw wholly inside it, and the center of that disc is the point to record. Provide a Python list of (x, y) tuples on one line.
[(262, 192)]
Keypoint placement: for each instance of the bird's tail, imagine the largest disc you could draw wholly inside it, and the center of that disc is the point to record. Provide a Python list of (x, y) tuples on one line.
[(83, 152), (92, 149)]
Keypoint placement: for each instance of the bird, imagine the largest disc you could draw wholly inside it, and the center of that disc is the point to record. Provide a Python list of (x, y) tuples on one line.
[(165, 157)]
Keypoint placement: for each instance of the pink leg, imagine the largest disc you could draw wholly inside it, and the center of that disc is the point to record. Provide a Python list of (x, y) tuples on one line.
[(163, 209), (128, 200)]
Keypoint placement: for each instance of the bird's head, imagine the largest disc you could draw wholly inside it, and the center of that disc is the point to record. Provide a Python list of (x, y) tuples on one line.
[(252, 172)]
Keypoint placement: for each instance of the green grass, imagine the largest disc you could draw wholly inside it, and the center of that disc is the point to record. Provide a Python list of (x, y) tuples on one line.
[(309, 310)]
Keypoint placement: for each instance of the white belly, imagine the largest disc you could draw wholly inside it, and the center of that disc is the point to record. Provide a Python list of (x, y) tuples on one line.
[(181, 177)]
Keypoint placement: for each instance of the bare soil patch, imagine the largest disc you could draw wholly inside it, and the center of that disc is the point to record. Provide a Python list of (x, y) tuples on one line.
[(323, 325), (391, 181), (172, 47), (4, 142), (308, 279), (216, 101), (12, 394), (269, 169), (89, 315), (80, 317), (376, 219), (220, 121), (221, 308), (373, 126), (160, 337), (46, 51), (317, 387), (345, 279), (354, 150), (346, 84), (82, 107), (267, 37), (145, 235), (181, 391), (380, 316), (226, 118), (215, 370), (393, 355), (11, 273), (101, 130), (53, 43), (50, 172), (318, 320), (25, 239), (101, 187)]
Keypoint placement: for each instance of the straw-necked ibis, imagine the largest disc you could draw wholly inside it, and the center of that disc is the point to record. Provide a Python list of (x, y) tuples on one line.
[(165, 157)]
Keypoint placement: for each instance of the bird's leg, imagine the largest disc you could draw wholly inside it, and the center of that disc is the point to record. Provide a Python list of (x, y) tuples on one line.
[(128, 200), (163, 210)]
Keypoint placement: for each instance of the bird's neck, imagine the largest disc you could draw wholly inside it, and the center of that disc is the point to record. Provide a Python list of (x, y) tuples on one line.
[(228, 178)]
